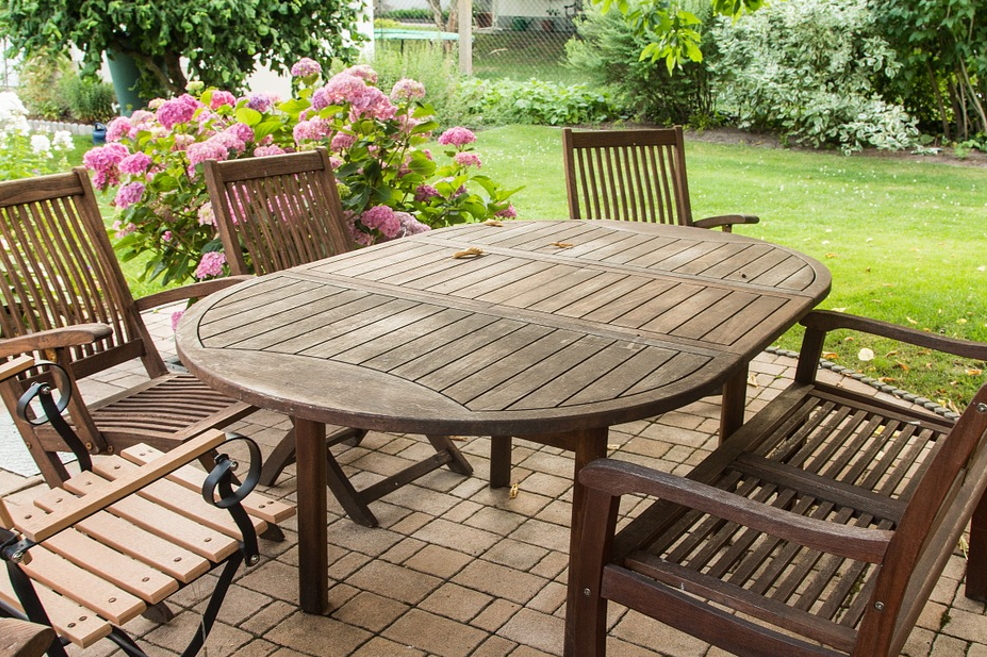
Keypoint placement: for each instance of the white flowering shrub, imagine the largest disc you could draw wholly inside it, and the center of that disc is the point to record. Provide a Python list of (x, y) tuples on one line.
[(812, 69), (22, 153)]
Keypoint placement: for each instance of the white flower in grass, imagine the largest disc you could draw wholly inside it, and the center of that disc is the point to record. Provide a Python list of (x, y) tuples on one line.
[(41, 145), (62, 141)]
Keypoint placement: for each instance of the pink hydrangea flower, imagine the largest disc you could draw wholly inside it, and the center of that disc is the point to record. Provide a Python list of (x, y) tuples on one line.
[(129, 194), (264, 151), (206, 150), (261, 101), (166, 236), (508, 213), (341, 141), (425, 192), (221, 98), (206, 215), (467, 159), (123, 231), (382, 218), (105, 158), (410, 225), (175, 318), (135, 164), (306, 67), (457, 137), (210, 265), (177, 110), (341, 88), (314, 130), (362, 71), (118, 129), (407, 89), (361, 237)]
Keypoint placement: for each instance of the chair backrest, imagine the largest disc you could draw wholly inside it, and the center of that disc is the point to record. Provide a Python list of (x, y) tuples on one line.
[(60, 271), (282, 210), (947, 496), (632, 175)]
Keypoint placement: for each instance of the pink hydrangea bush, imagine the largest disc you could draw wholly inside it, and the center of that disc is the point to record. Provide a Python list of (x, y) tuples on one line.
[(391, 186)]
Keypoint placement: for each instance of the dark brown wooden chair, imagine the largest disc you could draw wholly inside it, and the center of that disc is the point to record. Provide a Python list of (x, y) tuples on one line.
[(283, 211), (633, 175), (65, 299), (818, 529), (119, 538)]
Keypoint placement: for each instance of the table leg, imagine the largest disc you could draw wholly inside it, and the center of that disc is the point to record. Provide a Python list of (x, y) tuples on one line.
[(590, 444), (734, 401), (313, 538)]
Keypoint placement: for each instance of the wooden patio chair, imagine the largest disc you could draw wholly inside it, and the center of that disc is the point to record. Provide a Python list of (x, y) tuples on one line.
[(283, 211), (126, 533), (818, 529), (66, 299), (633, 175)]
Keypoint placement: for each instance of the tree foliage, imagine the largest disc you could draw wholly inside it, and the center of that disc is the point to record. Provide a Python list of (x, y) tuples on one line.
[(668, 28), (941, 44), (221, 40), (608, 52)]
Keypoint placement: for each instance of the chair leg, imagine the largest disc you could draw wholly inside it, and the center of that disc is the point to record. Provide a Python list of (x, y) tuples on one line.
[(976, 563), (500, 461)]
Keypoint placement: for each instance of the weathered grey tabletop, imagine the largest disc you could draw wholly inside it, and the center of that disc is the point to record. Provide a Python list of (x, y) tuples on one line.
[(555, 332)]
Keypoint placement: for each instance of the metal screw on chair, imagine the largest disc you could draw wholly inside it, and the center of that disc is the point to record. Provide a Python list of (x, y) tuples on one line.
[(879, 606), (982, 407)]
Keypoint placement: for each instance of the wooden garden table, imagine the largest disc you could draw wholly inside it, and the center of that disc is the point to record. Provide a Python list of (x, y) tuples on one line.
[(556, 331)]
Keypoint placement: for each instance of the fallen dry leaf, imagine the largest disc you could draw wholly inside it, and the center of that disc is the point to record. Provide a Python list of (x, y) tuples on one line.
[(515, 489), (886, 379), (471, 252), (902, 365), (493, 222), (890, 354), (562, 245), (752, 380), (974, 372), (910, 320), (832, 255), (613, 446), (831, 355)]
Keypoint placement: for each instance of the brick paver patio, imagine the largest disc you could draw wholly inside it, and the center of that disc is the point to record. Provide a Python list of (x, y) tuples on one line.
[(457, 569)]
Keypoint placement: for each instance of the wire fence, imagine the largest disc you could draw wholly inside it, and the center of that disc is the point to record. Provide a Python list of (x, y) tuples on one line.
[(519, 40), (8, 69)]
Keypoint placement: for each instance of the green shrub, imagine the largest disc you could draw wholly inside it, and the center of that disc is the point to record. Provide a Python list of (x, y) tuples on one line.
[(40, 74), (499, 102), (430, 64), (811, 69), (88, 100), (609, 54)]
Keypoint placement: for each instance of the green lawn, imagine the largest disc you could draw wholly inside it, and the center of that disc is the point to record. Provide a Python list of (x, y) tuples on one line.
[(906, 241)]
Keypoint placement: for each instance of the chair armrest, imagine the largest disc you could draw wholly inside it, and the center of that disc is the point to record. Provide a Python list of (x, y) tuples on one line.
[(47, 526), (14, 367), (70, 336), (726, 220), (827, 320), (616, 478), (190, 291)]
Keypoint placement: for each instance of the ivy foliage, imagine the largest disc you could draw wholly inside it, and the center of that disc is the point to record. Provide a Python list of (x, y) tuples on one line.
[(222, 40)]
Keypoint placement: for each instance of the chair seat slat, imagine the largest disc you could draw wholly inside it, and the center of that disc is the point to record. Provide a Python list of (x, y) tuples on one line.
[(78, 624)]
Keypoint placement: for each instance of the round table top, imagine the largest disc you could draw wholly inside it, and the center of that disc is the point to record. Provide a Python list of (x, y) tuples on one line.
[(553, 326)]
